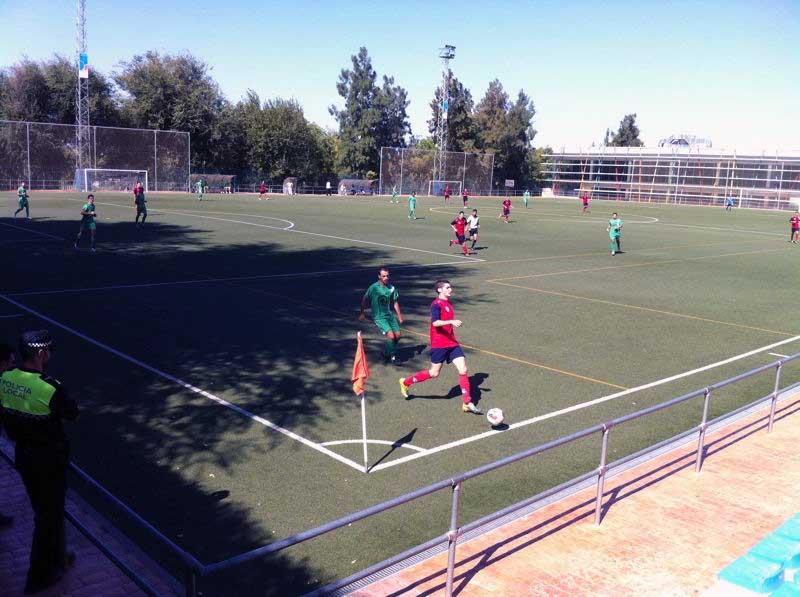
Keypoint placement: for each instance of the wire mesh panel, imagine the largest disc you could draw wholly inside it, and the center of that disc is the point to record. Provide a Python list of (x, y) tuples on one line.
[(13, 154), (412, 170), (44, 154)]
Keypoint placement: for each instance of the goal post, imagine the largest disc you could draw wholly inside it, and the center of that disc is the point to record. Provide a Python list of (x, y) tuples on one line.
[(109, 179), (436, 188)]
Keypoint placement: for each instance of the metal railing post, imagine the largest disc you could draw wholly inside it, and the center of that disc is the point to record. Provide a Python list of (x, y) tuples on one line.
[(452, 537), (703, 426), (191, 582), (601, 475), (774, 399)]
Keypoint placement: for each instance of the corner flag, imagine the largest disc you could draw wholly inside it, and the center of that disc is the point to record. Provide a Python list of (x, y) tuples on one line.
[(360, 369)]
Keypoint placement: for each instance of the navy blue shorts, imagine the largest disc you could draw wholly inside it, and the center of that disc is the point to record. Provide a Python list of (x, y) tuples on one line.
[(446, 355), (460, 238)]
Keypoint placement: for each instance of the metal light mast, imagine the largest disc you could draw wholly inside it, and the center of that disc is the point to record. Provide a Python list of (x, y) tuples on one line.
[(84, 135), (446, 53)]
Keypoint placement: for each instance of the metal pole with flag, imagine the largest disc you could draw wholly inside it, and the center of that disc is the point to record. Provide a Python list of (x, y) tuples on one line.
[(359, 379)]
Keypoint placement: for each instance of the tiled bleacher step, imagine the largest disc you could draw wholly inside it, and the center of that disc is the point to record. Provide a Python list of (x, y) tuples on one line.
[(754, 573), (788, 589), (790, 528), (780, 549)]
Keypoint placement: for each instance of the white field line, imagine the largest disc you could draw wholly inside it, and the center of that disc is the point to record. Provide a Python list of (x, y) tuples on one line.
[(190, 387), (228, 279), (560, 217), (779, 355), (723, 229), (45, 234), (292, 229), (580, 406), (11, 316), (383, 442)]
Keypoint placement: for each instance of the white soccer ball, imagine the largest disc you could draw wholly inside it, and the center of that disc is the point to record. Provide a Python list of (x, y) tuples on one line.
[(495, 417)]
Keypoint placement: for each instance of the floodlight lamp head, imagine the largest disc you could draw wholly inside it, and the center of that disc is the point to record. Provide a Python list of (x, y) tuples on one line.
[(447, 52)]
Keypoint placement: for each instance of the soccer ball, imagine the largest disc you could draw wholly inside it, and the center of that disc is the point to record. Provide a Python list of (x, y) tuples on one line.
[(495, 417)]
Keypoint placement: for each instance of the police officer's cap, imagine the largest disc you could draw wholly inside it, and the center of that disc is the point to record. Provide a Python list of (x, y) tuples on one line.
[(37, 339)]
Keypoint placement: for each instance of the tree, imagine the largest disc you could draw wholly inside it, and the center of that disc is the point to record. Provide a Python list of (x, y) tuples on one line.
[(26, 95), (173, 92), (372, 116), (506, 130), (461, 132), (628, 133)]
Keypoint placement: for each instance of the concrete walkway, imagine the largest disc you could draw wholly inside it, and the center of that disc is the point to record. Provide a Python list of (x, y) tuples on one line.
[(93, 574), (666, 529)]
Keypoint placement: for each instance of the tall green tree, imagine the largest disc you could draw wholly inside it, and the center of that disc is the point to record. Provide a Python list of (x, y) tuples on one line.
[(461, 130), (372, 116), (26, 95), (627, 134), (173, 92), (506, 129)]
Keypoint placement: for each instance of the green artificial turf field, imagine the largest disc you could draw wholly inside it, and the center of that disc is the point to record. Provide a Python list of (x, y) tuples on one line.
[(211, 350)]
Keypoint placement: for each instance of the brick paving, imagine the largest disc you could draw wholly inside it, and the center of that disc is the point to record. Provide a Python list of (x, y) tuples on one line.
[(666, 529), (93, 573)]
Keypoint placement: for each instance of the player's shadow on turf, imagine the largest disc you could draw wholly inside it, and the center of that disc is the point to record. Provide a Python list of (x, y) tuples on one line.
[(398, 443), (409, 352), (476, 391)]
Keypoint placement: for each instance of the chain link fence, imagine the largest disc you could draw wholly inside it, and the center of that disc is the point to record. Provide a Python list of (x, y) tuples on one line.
[(412, 170), (44, 155)]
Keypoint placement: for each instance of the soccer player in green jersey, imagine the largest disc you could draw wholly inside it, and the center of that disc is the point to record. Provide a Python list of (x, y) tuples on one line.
[(394, 195), (88, 214), (615, 233), (526, 197), (385, 308), (412, 206), (141, 203), (200, 185), (22, 194)]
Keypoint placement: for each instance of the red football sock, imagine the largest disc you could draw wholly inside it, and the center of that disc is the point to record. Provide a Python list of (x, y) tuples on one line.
[(417, 377), (466, 250), (463, 381)]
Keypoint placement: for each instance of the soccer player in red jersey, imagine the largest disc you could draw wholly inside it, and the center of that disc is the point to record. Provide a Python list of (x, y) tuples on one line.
[(506, 209), (447, 195), (465, 197), (795, 220), (585, 200), (262, 191), (459, 226), (444, 347)]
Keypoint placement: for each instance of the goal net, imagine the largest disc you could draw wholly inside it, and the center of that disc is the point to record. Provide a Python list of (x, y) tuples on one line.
[(105, 179), (436, 188)]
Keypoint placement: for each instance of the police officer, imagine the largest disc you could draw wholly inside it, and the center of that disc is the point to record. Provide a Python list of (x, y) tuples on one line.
[(6, 361), (34, 406)]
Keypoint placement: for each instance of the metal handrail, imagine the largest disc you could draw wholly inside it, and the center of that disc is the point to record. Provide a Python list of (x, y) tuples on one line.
[(455, 483), (194, 570)]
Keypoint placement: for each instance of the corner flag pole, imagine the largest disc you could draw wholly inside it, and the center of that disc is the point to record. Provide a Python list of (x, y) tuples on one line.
[(364, 430), (359, 377)]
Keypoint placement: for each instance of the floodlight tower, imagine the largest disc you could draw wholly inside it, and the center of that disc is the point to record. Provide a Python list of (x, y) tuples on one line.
[(446, 53), (84, 139)]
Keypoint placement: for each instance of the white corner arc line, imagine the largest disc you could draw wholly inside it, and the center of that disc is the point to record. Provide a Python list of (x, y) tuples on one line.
[(383, 442), (45, 234), (580, 406), (190, 387)]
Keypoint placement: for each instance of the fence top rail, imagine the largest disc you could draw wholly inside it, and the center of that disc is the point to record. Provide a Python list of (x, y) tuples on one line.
[(94, 126)]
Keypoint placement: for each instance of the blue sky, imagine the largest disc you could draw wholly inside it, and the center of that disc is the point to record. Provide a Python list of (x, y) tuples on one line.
[(728, 70)]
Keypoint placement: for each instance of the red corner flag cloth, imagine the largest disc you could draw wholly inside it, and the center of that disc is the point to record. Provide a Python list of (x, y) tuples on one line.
[(360, 369)]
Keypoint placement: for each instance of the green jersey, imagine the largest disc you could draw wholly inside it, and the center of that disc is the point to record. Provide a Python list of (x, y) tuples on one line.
[(199, 186), (87, 218), (614, 225), (412, 202), (382, 299), (22, 192)]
